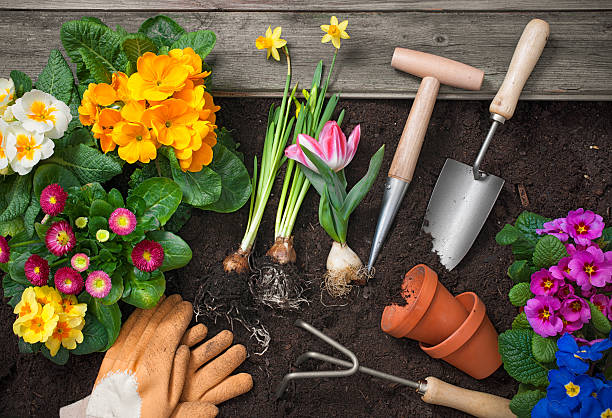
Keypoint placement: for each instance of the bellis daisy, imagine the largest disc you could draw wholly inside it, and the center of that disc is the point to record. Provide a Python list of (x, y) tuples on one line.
[(122, 221), (81, 222), (5, 251), (59, 238), (53, 199), (68, 280), (41, 112), (80, 262), (98, 284), (148, 255), (102, 235), (37, 270)]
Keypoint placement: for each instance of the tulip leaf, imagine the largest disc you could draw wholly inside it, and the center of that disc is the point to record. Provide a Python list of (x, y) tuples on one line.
[(162, 30), (177, 253), (331, 179), (202, 42), (56, 78), (235, 181), (326, 217), (363, 186)]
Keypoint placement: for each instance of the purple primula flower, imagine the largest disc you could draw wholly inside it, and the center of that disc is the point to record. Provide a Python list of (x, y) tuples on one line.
[(543, 283), (542, 315), (557, 228), (575, 309), (584, 341), (584, 226), (566, 291), (590, 268), (573, 249), (570, 327), (562, 271), (601, 302)]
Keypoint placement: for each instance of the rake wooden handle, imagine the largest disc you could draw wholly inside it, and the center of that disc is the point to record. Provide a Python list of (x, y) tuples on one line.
[(409, 147), (526, 55), (475, 403)]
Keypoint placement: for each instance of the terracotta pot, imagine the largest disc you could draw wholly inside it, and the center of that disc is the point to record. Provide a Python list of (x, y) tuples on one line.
[(431, 313), (472, 348)]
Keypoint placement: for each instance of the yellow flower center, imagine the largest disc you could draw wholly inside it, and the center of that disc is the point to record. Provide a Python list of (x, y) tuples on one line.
[(139, 137), (544, 314), (606, 414), (146, 255), (333, 30), (589, 269), (576, 306), (68, 282), (99, 284), (52, 200), (36, 269), (547, 284), (572, 390), (25, 310), (168, 124), (581, 228), (122, 221), (41, 113), (63, 238), (25, 147)]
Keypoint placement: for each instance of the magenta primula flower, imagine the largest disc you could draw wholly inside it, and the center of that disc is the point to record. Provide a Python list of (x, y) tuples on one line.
[(60, 238), (590, 268), (80, 262), (5, 250), (565, 291), (584, 226), (122, 221), (557, 228), (542, 314), (601, 302), (148, 255), (53, 199), (543, 283), (37, 270), (575, 309), (562, 271), (332, 147), (573, 249), (67, 280), (98, 284)]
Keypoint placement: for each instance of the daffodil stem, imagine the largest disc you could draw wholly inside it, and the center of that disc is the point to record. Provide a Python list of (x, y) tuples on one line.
[(24, 243)]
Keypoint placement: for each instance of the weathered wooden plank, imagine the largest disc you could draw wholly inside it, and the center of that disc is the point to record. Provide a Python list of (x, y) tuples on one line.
[(575, 65), (312, 5)]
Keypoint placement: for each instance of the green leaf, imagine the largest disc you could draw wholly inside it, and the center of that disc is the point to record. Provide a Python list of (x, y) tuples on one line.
[(12, 227), (332, 181), (548, 251), (60, 358), (22, 82), (27, 348), (522, 403), (605, 242), (18, 198), (12, 289), (144, 294), (95, 337), (520, 294), (56, 78), (108, 315), (599, 320), (515, 350), (100, 207), (543, 349), (520, 271), (359, 191), (16, 268), (225, 138), (136, 204), (521, 322), (527, 223), (235, 181), (179, 218), (202, 42), (508, 235), (77, 136), (199, 189), (47, 174), (135, 45), (88, 164), (162, 30), (162, 197), (115, 199), (41, 230), (30, 215), (326, 218), (177, 253)]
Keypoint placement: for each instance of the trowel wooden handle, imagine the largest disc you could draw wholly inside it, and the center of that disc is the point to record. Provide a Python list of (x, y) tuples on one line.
[(526, 55), (474, 403), (409, 147)]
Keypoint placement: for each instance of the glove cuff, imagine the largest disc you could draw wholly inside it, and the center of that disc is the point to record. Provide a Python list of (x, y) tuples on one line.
[(74, 410), (116, 395)]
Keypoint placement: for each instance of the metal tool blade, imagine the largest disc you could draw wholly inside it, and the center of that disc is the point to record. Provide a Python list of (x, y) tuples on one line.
[(457, 210)]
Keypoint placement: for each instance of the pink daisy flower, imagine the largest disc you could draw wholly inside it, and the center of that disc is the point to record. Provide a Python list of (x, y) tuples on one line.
[(122, 221), (37, 270), (53, 199), (68, 281), (5, 251), (148, 255), (59, 238), (80, 262), (98, 284)]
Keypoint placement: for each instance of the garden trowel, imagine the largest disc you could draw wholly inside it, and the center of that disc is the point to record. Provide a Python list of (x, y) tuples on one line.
[(464, 195)]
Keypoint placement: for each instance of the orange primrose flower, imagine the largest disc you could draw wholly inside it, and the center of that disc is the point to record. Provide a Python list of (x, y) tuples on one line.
[(157, 78), (135, 142)]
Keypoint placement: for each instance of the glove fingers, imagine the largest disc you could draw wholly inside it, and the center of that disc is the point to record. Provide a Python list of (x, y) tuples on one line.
[(117, 348), (194, 335), (170, 330), (179, 373), (231, 387), (195, 410), (216, 371), (210, 349)]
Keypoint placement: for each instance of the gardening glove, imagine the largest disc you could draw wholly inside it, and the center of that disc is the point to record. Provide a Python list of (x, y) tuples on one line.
[(143, 373), (208, 382)]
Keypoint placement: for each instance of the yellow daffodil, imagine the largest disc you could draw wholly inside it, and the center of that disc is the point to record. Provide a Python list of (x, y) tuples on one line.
[(28, 306), (67, 333), (71, 306), (158, 76), (335, 31), (170, 121), (38, 328), (271, 42), (135, 142), (103, 128)]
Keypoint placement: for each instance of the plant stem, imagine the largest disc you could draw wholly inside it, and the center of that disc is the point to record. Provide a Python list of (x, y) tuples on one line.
[(24, 243)]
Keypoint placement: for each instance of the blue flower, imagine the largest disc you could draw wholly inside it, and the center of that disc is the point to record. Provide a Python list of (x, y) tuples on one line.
[(598, 348), (546, 408), (599, 405), (569, 389), (572, 357)]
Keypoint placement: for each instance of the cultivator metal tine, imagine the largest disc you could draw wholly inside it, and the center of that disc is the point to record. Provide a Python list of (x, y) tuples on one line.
[(352, 367)]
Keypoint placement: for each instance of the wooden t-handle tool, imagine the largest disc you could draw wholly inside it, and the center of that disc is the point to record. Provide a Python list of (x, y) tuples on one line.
[(434, 70)]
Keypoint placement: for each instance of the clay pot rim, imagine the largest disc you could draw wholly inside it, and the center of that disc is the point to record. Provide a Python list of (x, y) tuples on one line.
[(477, 314), (415, 312)]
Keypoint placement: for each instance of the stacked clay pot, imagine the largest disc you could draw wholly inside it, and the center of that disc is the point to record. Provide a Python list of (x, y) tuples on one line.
[(454, 329)]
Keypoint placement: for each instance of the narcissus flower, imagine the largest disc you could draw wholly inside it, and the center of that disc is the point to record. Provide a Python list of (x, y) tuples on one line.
[(102, 235), (332, 147), (5, 250), (122, 221), (158, 76), (584, 226), (98, 284), (68, 280), (25, 149), (335, 31), (543, 283), (28, 306), (80, 262), (53, 199), (81, 222), (542, 315), (37, 328), (7, 91), (60, 238), (148, 255), (41, 112), (590, 268), (37, 270), (67, 333), (557, 228), (271, 42), (135, 142)]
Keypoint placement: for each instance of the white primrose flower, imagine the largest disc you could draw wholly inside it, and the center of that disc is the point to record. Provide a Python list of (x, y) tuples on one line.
[(25, 149), (7, 91), (6, 153), (7, 114), (41, 112)]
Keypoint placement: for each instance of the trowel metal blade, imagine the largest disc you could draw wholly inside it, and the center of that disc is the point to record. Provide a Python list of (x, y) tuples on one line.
[(457, 210)]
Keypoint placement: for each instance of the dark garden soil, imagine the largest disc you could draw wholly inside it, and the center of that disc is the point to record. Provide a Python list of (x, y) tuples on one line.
[(558, 152)]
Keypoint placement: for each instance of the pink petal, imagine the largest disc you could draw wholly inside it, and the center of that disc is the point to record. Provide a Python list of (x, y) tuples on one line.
[(353, 143), (333, 144), (311, 145)]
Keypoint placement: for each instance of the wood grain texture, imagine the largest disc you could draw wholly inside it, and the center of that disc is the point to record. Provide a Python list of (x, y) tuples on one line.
[(576, 63), (311, 5)]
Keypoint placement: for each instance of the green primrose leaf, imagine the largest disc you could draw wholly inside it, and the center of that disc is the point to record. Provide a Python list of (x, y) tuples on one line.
[(235, 181), (137, 44), (95, 337), (56, 78), (87, 163), (30, 215), (520, 294), (162, 30), (115, 199), (76, 137), (47, 174), (162, 197), (136, 204), (548, 251), (520, 271), (12, 289), (41, 230), (12, 227), (179, 218), (202, 42), (599, 320), (17, 197), (116, 290), (515, 350), (199, 189), (508, 235), (60, 358), (177, 253), (23, 83), (27, 348), (522, 403), (100, 207), (521, 322), (225, 138), (16, 268), (108, 315), (363, 186), (527, 223), (143, 294), (605, 242), (543, 349)]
